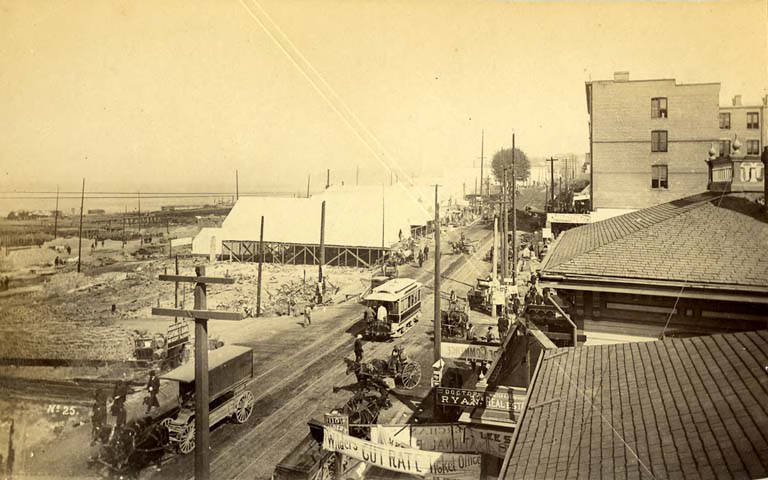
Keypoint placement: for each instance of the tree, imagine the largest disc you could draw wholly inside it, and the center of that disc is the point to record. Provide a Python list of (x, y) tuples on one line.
[(504, 157)]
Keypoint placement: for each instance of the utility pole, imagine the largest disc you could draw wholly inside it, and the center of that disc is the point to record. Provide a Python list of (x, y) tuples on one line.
[(322, 243), (56, 215), (261, 260), (552, 161), (80, 234), (382, 216), (237, 186), (138, 196), (437, 320), (202, 395), (504, 223), (125, 219), (308, 178), (514, 215), (482, 161), (327, 178), (357, 176)]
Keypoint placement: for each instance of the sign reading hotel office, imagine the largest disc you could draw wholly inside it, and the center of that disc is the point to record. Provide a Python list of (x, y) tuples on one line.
[(506, 401)]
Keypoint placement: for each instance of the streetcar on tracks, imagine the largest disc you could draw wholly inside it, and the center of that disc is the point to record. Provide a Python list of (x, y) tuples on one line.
[(401, 299)]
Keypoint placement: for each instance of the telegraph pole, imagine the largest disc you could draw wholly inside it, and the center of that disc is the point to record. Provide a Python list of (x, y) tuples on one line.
[(308, 178), (138, 196), (552, 161), (482, 160), (357, 176), (504, 222), (322, 243), (80, 234), (261, 260), (382, 216), (327, 178), (514, 215), (237, 186), (437, 320), (56, 215)]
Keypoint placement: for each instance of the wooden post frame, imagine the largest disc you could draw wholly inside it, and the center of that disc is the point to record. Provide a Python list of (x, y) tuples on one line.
[(201, 316)]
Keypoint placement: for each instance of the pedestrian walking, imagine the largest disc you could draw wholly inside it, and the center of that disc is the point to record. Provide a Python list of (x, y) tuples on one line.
[(308, 315), (426, 252), (503, 327), (421, 258), (153, 387), (359, 348), (98, 416)]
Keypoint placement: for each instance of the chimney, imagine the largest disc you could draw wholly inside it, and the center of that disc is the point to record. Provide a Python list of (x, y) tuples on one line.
[(737, 100), (620, 76)]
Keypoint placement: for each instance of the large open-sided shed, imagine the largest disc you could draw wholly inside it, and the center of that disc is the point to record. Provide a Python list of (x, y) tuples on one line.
[(361, 225)]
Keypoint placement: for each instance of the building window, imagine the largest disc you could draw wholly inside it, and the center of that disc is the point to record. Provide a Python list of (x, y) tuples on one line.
[(659, 107), (659, 176), (753, 120), (753, 147), (725, 148), (659, 141), (725, 121)]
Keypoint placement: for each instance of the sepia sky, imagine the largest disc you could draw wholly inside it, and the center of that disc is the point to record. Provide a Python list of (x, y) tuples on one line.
[(175, 95)]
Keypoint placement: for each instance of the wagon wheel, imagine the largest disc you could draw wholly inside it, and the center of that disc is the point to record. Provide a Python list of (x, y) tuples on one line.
[(187, 443), (244, 407), (411, 375)]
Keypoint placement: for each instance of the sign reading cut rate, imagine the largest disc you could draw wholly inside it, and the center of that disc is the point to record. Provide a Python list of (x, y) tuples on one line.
[(404, 460)]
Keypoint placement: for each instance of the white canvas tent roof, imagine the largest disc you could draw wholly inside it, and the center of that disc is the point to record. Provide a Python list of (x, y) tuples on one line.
[(353, 217)]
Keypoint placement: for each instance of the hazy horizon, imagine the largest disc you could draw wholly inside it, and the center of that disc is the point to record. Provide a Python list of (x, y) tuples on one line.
[(175, 96)]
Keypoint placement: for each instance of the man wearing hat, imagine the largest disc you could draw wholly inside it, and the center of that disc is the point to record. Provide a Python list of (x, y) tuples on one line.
[(153, 386), (359, 348)]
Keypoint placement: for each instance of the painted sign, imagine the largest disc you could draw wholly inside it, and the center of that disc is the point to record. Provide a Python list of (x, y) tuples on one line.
[(469, 352), (404, 460), (504, 400), (453, 438), (337, 421), (579, 218)]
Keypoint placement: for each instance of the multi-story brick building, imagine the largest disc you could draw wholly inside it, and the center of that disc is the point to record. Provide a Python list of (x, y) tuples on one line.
[(649, 141), (745, 123)]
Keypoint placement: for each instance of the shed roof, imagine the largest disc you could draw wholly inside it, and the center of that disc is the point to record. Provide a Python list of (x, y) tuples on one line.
[(708, 239), (677, 408), (353, 217), (217, 357)]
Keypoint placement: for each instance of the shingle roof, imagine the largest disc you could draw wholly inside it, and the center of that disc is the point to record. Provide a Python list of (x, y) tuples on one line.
[(677, 408), (707, 239)]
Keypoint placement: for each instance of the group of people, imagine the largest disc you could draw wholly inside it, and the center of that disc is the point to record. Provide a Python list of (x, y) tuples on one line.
[(99, 417), (423, 255)]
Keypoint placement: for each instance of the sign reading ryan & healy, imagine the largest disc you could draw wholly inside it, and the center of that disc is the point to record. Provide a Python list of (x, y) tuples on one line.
[(504, 400)]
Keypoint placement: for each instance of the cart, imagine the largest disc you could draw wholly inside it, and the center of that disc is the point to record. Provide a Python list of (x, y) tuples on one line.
[(230, 368), (375, 372)]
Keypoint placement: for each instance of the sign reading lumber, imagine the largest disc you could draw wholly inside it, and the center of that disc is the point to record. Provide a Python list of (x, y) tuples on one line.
[(453, 438), (403, 460), (504, 400), (468, 352)]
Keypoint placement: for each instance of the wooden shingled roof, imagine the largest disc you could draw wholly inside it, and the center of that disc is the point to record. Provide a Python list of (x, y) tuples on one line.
[(677, 408), (711, 238)]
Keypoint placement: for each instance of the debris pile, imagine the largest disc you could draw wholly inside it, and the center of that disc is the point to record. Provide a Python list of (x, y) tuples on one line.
[(39, 334)]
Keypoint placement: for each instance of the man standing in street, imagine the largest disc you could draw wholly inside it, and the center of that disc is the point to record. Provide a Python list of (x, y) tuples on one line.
[(308, 315), (359, 348), (503, 327), (153, 386), (421, 258), (426, 252)]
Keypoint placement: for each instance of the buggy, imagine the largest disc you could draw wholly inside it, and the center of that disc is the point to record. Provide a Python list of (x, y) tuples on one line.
[(405, 373)]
